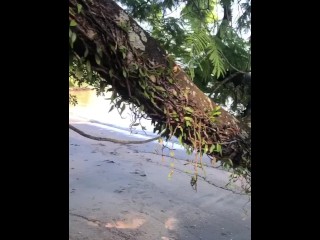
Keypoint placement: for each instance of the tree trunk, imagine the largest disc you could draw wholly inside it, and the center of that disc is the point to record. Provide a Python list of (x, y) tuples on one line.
[(141, 72)]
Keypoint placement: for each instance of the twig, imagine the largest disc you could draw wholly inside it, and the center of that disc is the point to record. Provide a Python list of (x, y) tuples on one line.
[(224, 81), (111, 139)]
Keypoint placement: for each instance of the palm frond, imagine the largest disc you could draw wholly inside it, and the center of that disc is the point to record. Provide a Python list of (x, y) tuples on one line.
[(202, 45)]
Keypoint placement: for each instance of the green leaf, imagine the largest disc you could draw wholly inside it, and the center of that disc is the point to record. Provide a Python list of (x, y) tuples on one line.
[(212, 148), (219, 149), (73, 23), (124, 73), (111, 73), (188, 109), (113, 48), (88, 65), (198, 135), (152, 78), (141, 83), (142, 72), (192, 73), (134, 65), (97, 58), (73, 38), (205, 148), (86, 52), (79, 73), (185, 94), (181, 129), (159, 88), (79, 7), (153, 102), (90, 76), (188, 119), (99, 51)]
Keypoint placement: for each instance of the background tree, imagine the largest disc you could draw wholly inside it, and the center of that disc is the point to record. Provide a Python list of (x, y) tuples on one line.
[(211, 39)]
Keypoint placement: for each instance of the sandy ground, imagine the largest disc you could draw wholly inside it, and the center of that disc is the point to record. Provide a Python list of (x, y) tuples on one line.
[(123, 192)]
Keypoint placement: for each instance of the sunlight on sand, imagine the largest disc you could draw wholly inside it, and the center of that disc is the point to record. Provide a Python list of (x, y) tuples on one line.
[(93, 224), (170, 223), (165, 238), (133, 224), (138, 222)]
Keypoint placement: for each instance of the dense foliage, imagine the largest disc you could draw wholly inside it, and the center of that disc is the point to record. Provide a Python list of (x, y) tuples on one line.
[(210, 38)]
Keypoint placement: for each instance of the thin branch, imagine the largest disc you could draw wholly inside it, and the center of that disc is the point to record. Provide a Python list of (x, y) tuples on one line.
[(111, 139), (232, 65), (224, 81)]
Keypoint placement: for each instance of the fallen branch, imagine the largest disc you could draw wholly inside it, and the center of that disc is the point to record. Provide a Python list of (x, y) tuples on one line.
[(111, 139)]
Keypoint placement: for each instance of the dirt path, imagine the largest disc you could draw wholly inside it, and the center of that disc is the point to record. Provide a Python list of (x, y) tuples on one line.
[(123, 192)]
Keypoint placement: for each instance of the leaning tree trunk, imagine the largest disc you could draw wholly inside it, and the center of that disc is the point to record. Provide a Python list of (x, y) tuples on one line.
[(112, 44)]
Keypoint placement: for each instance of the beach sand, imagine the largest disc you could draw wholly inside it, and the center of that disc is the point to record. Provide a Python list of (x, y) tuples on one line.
[(123, 192)]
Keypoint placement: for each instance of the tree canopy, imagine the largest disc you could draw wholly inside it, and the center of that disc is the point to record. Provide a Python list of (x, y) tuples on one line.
[(210, 38), (176, 71)]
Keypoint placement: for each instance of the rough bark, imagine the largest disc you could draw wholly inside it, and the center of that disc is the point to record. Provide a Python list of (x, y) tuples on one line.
[(141, 72)]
